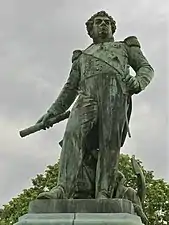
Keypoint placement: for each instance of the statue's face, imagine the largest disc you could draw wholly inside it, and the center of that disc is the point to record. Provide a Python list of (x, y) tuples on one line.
[(102, 27)]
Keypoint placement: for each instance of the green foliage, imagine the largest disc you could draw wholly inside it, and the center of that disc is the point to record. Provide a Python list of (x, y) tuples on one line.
[(19, 206), (156, 202)]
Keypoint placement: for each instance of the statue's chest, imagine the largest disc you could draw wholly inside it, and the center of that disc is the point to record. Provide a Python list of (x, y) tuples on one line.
[(103, 58), (107, 48)]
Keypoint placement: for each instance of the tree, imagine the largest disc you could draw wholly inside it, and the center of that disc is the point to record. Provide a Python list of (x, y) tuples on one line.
[(156, 202)]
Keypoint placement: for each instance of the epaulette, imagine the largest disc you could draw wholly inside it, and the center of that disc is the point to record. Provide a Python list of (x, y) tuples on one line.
[(76, 54), (132, 41)]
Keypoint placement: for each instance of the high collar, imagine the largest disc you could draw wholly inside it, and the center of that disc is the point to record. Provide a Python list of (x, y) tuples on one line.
[(101, 42)]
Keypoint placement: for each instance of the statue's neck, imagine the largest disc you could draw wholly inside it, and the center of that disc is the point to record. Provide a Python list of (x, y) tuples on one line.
[(101, 40)]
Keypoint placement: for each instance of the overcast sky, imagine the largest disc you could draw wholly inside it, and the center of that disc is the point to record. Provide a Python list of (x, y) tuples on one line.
[(37, 39)]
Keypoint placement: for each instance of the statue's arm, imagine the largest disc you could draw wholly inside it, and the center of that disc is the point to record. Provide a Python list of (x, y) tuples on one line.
[(69, 92), (137, 60)]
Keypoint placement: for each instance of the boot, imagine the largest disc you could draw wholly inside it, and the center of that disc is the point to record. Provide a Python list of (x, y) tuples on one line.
[(55, 193)]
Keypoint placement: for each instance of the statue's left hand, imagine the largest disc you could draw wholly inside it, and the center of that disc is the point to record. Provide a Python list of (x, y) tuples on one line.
[(132, 83)]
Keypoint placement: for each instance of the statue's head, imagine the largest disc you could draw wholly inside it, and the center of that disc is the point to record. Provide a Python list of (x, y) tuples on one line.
[(101, 26)]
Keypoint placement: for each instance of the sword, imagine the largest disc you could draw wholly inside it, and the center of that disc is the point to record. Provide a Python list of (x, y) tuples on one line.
[(140, 179)]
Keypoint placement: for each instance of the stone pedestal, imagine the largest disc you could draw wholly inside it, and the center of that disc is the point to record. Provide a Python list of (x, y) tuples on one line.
[(80, 212), (81, 206), (79, 219)]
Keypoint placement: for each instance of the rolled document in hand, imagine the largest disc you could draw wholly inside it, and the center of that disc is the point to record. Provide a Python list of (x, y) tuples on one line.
[(40, 126)]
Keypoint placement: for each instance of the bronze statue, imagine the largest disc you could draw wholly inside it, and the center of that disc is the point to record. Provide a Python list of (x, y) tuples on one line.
[(100, 78)]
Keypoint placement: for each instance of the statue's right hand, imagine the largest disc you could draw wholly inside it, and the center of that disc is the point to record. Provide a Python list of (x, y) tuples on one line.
[(45, 120)]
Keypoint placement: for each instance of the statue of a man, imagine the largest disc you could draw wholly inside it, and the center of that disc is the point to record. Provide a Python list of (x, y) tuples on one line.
[(99, 119)]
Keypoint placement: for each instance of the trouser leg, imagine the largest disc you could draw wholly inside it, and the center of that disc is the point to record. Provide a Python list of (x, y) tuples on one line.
[(73, 149), (85, 182), (110, 127)]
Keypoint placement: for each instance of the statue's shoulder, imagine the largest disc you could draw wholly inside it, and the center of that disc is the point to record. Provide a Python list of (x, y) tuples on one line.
[(76, 54), (132, 41)]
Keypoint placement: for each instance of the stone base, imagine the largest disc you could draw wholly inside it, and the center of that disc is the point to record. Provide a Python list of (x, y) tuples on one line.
[(81, 206), (80, 219), (80, 212)]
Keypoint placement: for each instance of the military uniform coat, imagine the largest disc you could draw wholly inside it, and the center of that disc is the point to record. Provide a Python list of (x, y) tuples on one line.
[(99, 116)]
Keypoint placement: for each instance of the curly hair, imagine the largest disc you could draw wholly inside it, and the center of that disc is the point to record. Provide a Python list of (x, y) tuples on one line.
[(90, 22)]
